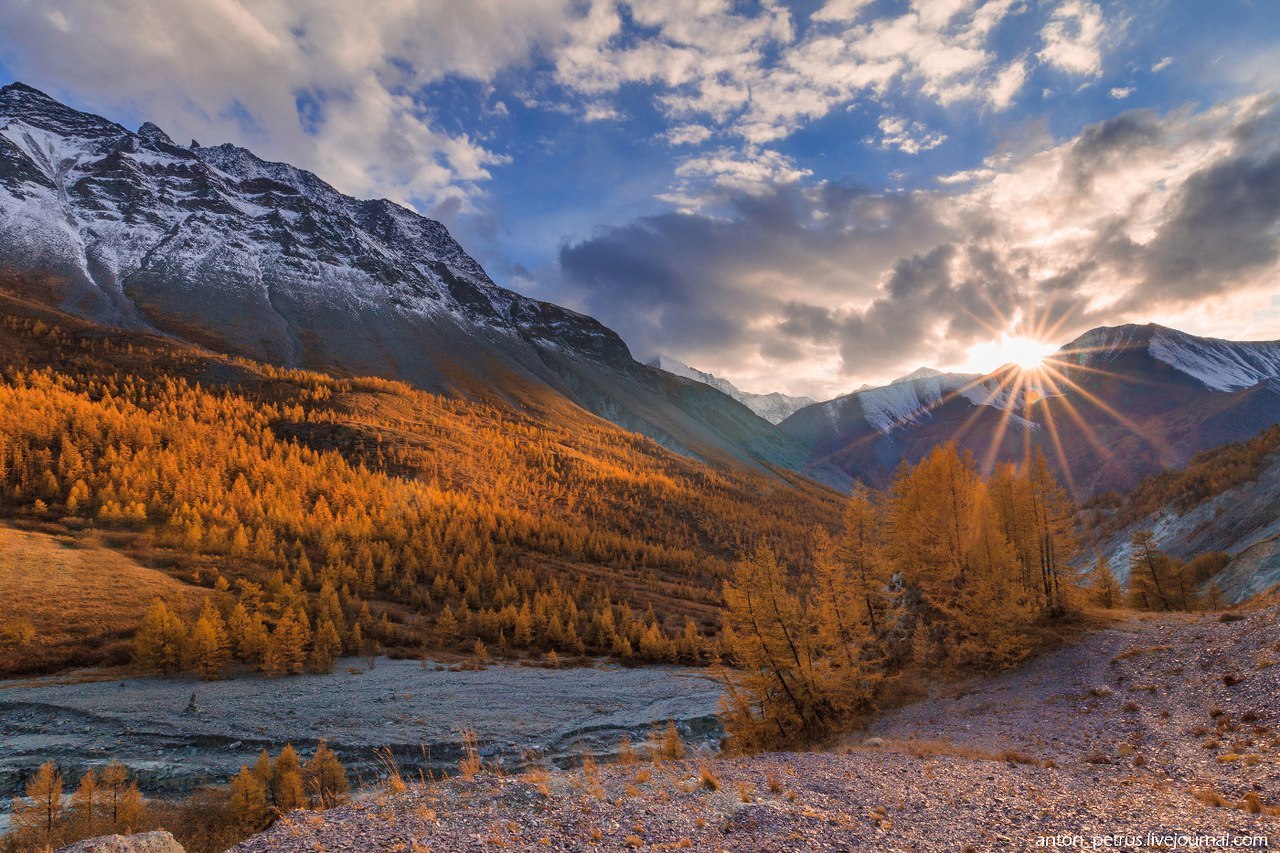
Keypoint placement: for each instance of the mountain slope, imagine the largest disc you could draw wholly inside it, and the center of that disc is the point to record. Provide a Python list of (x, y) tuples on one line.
[(219, 247), (418, 505), (1114, 405), (1227, 500), (774, 407)]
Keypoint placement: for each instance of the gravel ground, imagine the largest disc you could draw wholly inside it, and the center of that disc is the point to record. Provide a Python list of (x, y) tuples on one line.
[(416, 712), (1115, 734)]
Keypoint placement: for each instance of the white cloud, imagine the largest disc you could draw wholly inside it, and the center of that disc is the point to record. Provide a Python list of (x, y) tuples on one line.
[(688, 134), (1007, 84), (1162, 65), (1073, 38), (751, 77), (750, 170), (228, 70), (1119, 93), (909, 137)]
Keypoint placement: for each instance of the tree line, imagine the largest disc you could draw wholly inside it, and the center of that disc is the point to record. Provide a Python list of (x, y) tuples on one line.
[(108, 802)]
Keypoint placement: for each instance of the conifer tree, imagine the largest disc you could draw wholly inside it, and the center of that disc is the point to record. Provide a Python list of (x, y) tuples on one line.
[(286, 781), (39, 816), (1151, 586), (770, 636), (248, 803), (159, 641), (325, 779), (209, 645), (121, 802), (326, 648), (1104, 587), (85, 807), (287, 650)]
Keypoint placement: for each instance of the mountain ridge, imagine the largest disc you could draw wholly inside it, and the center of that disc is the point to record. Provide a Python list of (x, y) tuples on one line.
[(1113, 405), (219, 247)]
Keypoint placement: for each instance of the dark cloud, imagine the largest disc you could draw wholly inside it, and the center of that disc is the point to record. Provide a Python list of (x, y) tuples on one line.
[(1070, 237), (1225, 225)]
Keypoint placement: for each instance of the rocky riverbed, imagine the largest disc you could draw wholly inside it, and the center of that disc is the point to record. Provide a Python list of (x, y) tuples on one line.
[(175, 733)]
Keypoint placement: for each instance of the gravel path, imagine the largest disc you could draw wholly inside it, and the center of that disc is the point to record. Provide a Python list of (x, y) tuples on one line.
[(1121, 733)]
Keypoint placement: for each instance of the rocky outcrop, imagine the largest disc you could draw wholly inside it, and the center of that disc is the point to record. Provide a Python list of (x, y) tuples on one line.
[(145, 842)]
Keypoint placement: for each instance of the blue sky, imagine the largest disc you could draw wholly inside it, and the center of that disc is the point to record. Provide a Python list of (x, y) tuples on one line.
[(804, 196)]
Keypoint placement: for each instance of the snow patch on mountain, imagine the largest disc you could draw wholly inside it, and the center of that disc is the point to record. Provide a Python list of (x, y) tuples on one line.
[(1219, 365), (774, 407)]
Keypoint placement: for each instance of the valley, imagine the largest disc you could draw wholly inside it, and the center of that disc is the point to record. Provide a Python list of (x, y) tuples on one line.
[(281, 465)]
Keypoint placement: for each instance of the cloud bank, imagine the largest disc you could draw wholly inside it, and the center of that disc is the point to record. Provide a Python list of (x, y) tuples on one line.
[(1138, 217)]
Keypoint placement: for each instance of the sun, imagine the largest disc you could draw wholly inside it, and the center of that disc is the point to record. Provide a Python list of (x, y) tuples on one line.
[(1027, 353)]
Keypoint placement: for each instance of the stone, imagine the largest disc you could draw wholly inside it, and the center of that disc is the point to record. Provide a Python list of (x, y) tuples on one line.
[(145, 842)]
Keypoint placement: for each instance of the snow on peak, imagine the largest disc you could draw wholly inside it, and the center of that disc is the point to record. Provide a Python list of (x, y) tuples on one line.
[(912, 397), (774, 407), (1220, 365)]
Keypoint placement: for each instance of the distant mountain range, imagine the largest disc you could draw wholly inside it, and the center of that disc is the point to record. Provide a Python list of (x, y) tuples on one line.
[(221, 248), (1112, 406), (774, 407)]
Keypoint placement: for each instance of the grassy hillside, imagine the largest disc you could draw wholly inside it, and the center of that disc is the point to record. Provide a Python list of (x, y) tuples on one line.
[(68, 601), (404, 518)]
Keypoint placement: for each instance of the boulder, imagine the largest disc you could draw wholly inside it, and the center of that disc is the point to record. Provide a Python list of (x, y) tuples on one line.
[(144, 842)]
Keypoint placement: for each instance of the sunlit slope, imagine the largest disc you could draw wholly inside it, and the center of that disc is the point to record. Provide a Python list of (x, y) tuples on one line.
[(549, 525)]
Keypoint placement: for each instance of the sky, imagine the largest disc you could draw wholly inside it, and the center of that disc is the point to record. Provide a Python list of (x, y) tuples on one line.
[(800, 196)]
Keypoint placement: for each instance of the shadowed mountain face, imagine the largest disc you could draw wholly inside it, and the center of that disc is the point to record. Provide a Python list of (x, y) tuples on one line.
[(1114, 405), (218, 247)]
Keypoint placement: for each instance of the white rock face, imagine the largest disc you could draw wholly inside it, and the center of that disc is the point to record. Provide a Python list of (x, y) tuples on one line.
[(774, 407)]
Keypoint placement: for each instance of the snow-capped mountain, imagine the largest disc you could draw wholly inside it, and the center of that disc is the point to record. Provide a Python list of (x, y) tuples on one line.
[(219, 247), (1127, 401), (1219, 365), (774, 407)]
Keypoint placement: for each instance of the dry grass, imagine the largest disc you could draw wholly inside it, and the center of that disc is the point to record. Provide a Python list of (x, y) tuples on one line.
[(470, 764), (931, 748), (707, 777), (67, 602), (392, 781), (1252, 802)]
